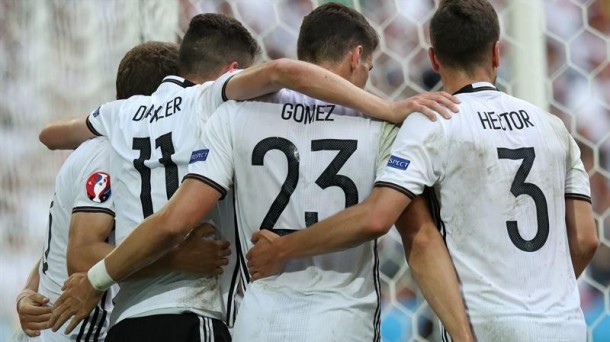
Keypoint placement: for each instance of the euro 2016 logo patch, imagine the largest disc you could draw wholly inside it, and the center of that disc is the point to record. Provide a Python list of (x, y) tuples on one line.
[(398, 163), (98, 187)]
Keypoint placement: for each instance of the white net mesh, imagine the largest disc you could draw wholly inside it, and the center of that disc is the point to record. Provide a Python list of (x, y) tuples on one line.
[(59, 57)]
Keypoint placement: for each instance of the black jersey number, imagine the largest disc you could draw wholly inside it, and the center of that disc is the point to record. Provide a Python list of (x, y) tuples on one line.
[(166, 145), (521, 187), (328, 178), (45, 264)]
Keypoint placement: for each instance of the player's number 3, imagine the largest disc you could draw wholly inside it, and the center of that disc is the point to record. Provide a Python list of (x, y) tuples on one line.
[(520, 187)]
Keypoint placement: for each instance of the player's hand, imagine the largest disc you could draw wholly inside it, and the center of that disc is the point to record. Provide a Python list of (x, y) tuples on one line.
[(200, 254), (79, 297), (263, 259), (428, 104), (33, 311)]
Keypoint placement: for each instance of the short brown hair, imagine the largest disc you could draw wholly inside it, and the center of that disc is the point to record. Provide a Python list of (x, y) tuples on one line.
[(463, 33), (144, 67), (212, 41), (331, 30)]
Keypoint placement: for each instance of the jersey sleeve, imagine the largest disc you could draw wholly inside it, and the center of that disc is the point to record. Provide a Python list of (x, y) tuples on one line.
[(101, 120), (93, 186), (577, 180), (212, 163), (212, 94), (387, 137), (418, 157)]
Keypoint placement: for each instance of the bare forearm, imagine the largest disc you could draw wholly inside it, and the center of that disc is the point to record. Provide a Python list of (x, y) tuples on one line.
[(319, 83), (347, 229), (143, 246), (66, 134), (582, 233), (82, 257), (433, 270), (33, 278), (310, 80)]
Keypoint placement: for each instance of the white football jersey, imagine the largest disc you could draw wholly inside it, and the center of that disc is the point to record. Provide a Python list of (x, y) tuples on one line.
[(153, 138), (501, 170), (291, 161), (83, 184)]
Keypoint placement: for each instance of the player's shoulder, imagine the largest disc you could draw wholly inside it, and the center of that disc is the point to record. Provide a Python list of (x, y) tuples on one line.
[(552, 120)]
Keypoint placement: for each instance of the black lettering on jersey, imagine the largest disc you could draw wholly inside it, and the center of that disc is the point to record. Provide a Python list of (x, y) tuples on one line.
[(514, 120), (171, 107), (139, 113), (305, 114)]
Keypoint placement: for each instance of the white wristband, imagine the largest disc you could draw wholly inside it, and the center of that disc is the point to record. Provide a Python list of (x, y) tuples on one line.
[(99, 277)]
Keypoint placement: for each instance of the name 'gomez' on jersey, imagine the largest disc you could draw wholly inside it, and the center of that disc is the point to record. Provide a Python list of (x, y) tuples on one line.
[(152, 138), (501, 170), (290, 164)]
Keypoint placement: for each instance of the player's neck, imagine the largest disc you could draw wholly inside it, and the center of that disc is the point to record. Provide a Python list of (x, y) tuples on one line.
[(454, 80)]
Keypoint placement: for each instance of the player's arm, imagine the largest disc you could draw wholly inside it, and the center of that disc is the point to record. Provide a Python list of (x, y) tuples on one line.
[(87, 241), (433, 269), (582, 233), (349, 228), (322, 84), (152, 238), (32, 307), (66, 134), (88, 244)]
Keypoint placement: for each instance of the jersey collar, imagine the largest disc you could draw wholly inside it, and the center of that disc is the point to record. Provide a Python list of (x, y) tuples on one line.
[(474, 87), (184, 83)]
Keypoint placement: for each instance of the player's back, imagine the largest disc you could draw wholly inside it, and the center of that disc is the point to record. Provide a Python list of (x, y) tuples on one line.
[(82, 185), (296, 161), (152, 139), (508, 168)]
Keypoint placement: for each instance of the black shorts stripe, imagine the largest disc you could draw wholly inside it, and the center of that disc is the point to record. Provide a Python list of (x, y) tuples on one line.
[(224, 88), (209, 182), (93, 324), (83, 327), (92, 129), (93, 210), (398, 188), (377, 318), (579, 197)]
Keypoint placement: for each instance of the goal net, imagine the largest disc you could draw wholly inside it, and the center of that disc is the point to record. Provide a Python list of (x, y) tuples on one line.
[(59, 57)]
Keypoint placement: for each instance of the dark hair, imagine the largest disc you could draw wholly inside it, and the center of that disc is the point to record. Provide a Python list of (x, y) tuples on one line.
[(144, 67), (212, 41), (463, 33), (331, 30)]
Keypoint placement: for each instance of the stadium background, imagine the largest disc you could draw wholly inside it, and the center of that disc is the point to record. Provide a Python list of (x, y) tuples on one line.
[(59, 57)]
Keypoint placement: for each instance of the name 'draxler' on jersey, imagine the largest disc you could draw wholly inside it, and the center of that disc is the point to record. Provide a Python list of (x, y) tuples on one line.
[(155, 114)]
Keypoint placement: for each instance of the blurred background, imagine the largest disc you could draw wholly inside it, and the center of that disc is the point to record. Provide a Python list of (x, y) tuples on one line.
[(59, 58)]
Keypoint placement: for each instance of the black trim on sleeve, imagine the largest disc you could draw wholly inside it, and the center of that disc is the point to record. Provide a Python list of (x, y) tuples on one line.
[(395, 187), (224, 88), (579, 197), (86, 209), (92, 129), (208, 182)]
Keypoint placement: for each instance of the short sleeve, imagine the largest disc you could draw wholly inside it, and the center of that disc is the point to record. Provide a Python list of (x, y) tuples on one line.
[(387, 137), (418, 157), (212, 162), (93, 186), (212, 94), (101, 120), (577, 180)]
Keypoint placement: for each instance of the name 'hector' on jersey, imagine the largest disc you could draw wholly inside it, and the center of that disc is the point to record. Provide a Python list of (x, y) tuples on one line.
[(513, 120), (171, 107), (305, 114)]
